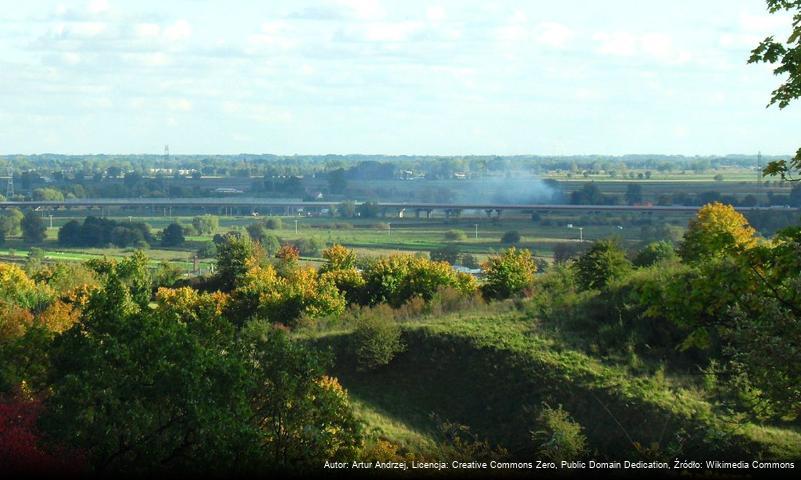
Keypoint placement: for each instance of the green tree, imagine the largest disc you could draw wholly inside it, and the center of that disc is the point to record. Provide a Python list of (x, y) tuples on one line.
[(303, 416), (172, 236), (233, 253), (654, 253), (70, 234), (33, 229), (47, 194), (206, 224), (130, 386), (765, 340), (603, 262), (257, 232), (10, 221), (633, 193), (511, 237), (787, 58), (336, 181)]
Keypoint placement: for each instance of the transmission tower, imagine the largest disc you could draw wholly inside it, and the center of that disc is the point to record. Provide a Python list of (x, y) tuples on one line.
[(166, 155), (10, 184)]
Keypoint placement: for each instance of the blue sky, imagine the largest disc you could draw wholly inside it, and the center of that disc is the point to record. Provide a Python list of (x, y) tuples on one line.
[(397, 77)]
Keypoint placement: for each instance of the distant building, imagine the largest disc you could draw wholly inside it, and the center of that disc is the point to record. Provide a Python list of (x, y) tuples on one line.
[(227, 190)]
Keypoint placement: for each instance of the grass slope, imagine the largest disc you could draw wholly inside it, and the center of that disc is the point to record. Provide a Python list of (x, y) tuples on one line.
[(492, 372)]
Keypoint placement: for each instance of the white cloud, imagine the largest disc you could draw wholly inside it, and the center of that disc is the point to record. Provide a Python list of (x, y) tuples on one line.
[(96, 7), (616, 43), (435, 13), (179, 30), (765, 23), (390, 31), (83, 29), (554, 34), (277, 33), (364, 9), (518, 31), (179, 104), (147, 30), (71, 58), (739, 40), (652, 45)]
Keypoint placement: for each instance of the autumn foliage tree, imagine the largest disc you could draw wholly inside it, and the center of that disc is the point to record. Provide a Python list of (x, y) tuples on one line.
[(509, 273), (265, 293), (398, 278), (716, 230)]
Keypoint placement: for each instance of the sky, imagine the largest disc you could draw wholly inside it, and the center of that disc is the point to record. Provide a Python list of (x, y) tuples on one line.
[(449, 77)]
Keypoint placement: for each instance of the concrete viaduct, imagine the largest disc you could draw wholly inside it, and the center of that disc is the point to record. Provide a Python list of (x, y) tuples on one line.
[(291, 207)]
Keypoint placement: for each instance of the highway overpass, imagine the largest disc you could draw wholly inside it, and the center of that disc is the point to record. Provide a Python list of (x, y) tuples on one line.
[(264, 205)]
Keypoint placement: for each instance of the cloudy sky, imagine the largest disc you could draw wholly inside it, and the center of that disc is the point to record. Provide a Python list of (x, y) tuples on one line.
[(389, 76)]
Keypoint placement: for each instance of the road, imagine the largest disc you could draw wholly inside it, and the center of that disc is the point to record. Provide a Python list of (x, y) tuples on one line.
[(262, 203)]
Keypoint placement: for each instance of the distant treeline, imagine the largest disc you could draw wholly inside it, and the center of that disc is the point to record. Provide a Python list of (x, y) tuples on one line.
[(56, 177)]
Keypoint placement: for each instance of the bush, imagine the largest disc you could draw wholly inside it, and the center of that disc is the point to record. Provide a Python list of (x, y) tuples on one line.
[(511, 237), (206, 224), (274, 223), (208, 250), (470, 261), (561, 438), (377, 339), (454, 235), (602, 263), (653, 253), (309, 247), (448, 253), (509, 273)]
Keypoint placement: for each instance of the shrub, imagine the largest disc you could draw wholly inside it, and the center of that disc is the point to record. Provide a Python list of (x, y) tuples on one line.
[(339, 258), (509, 273), (470, 261), (561, 438), (397, 278), (377, 339), (309, 247), (208, 250), (511, 237), (206, 224), (603, 262), (448, 253), (454, 235), (274, 223), (257, 232), (655, 252)]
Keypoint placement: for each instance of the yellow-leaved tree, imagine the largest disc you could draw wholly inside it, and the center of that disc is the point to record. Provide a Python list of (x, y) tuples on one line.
[(716, 230)]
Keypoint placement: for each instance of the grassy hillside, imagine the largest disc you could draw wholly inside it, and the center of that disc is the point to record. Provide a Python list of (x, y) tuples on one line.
[(493, 373)]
